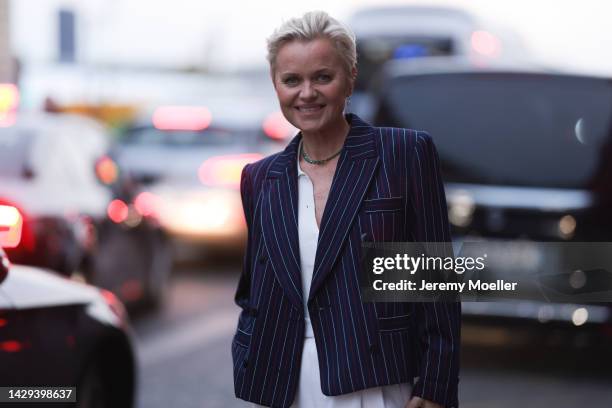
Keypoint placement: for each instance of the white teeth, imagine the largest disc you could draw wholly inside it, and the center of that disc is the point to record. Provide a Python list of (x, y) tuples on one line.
[(310, 108)]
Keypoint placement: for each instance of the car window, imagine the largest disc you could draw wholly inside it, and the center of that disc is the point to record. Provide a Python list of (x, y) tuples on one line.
[(509, 129), (15, 145), (150, 136), (375, 52)]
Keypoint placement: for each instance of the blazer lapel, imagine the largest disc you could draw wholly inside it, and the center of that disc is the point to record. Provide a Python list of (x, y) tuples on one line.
[(279, 222), (356, 167)]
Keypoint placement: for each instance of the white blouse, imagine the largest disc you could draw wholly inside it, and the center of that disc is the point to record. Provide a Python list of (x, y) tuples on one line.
[(308, 233)]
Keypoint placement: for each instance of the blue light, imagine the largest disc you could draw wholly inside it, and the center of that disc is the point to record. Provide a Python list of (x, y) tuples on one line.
[(409, 51)]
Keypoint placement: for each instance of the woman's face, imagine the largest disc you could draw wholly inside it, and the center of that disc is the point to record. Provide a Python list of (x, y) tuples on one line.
[(311, 84)]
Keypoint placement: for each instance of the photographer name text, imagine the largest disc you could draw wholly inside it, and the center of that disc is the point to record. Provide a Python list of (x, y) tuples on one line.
[(477, 285)]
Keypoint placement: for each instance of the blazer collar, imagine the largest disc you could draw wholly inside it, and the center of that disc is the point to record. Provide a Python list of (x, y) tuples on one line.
[(359, 145), (356, 166)]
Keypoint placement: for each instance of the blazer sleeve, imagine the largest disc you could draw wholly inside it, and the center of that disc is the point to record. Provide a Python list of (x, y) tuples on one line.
[(244, 284), (438, 323)]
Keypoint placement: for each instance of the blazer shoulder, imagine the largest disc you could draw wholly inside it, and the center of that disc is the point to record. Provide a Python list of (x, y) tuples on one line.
[(403, 134), (403, 138), (256, 172)]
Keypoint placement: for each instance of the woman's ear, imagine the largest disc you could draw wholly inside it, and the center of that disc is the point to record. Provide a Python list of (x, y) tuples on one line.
[(352, 79)]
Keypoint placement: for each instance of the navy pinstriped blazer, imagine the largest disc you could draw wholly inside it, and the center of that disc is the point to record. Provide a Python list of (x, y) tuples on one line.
[(387, 187)]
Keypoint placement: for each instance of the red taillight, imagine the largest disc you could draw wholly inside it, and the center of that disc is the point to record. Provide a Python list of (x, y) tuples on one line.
[(106, 170), (11, 346), (277, 127), (181, 118), (146, 204), (225, 170), (9, 100), (11, 223), (117, 211)]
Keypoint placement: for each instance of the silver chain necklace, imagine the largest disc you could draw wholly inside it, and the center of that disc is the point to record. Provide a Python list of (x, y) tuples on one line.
[(317, 162)]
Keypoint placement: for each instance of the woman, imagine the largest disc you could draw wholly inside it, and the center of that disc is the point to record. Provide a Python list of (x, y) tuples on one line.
[(304, 336)]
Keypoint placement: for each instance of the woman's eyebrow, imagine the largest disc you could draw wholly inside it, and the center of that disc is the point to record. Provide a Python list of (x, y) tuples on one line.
[(318, 71)]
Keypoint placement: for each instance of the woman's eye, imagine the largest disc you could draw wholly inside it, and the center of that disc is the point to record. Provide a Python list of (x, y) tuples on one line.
[(324, 77), (290, 81)]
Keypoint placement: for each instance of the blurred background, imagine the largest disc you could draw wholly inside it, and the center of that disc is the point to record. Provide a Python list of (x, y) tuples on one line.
[(124, 127)]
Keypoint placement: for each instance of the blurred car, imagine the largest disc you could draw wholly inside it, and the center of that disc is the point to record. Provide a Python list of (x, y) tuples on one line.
[(526, 154), (387, 33), (57, 332), (191, 158), (76, 208)]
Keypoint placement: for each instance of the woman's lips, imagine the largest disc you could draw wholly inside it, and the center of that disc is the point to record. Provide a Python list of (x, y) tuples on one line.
[(309, 108)]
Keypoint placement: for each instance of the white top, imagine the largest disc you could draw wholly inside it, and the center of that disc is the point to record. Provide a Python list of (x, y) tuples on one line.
[(308, 233)]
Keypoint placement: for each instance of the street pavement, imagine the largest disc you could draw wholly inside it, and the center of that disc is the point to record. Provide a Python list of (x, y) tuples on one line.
[(184, 356)]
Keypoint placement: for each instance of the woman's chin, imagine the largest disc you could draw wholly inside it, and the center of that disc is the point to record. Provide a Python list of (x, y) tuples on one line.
[(309, 124)]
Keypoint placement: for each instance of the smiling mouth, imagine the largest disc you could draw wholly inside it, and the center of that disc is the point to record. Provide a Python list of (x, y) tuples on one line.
[(309, 108)]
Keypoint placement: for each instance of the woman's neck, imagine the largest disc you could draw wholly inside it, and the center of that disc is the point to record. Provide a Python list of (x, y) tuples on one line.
[(323, 144)]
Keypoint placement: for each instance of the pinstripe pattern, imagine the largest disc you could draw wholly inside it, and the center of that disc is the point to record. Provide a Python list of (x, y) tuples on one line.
[(387, 187)]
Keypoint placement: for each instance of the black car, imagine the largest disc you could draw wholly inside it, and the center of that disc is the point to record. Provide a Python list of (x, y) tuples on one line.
[(79, 212), (526, 156), (57, 332), (407, 32)]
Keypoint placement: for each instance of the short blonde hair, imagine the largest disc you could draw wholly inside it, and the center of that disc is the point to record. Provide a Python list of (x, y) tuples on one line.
[(313, 25)]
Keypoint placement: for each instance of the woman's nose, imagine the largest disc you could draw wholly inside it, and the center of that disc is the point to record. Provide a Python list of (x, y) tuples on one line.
[(308, 91)]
